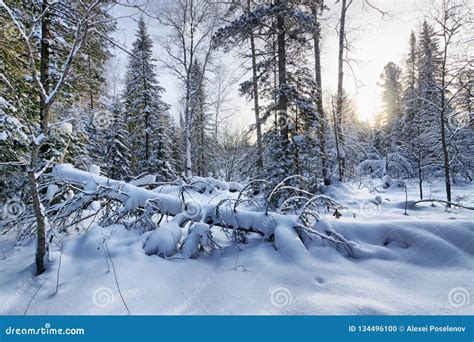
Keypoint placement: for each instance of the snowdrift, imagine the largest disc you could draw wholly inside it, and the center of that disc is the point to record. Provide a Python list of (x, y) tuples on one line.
[(421, 263)]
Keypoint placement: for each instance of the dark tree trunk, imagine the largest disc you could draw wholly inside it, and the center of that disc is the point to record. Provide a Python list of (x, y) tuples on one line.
[(447, 176), (44, 118), (420, 178), (44, 63), (201, 147), (91, 90), (39, 214), (282, 98), (258, 123), (147, 135), (319, 98)]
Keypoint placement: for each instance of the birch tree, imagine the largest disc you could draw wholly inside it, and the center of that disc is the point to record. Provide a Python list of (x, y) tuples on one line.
[(87, 17), (451, 16), (341, 160), (191, 24)]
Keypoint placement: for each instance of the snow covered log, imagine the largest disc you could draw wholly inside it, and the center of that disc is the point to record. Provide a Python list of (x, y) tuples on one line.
[(129, 195), (288, 230), (133, 197)]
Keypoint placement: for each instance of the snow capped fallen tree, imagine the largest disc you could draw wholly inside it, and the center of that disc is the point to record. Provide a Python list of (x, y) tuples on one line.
[(376, 166), (182, 214)]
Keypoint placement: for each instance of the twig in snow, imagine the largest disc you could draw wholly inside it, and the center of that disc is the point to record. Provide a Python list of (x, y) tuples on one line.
[(115, 276), (105, 257), (59, 269), (406, 198), (34, 295)]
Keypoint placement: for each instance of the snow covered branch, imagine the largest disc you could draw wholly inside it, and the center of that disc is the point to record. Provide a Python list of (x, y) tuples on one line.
[(114, 201)]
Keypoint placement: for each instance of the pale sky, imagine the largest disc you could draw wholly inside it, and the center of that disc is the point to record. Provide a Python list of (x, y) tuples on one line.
[(376, 41)]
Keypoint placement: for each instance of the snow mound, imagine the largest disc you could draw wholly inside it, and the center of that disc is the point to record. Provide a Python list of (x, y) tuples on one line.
[(198, 236), (411, 269), (164, 240), (144, 181)]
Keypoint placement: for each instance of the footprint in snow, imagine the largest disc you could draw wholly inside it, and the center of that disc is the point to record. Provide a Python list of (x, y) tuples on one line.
[(319, 280)]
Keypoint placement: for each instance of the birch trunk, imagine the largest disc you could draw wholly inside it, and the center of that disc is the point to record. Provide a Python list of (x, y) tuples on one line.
[(340, 79), (44, 117)]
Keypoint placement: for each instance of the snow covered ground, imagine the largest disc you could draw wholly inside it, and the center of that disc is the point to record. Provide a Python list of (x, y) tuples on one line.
[(422, 263)]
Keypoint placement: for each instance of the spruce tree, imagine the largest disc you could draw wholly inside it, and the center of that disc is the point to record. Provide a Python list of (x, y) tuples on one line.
[(427, 121), (281, 76), (203, 144), (145, 110), (118, 154), (390, 116)]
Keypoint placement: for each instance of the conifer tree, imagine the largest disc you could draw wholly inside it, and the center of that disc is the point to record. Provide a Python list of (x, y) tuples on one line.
[(118, 154), (286, 26), (145, 110), (390, 116)]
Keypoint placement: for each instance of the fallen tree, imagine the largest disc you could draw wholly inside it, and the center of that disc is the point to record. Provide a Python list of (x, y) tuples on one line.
[(75, 196), (442, 202)]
